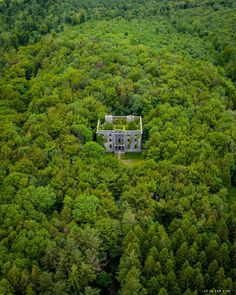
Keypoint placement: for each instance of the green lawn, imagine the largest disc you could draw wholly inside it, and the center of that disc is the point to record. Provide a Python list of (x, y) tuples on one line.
[(131, 156), (131, 159)]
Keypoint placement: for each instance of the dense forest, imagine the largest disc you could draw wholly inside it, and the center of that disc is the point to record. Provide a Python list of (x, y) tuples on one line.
[(77, 220)]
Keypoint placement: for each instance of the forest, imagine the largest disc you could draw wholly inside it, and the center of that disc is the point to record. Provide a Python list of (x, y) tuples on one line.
[(77, 220)]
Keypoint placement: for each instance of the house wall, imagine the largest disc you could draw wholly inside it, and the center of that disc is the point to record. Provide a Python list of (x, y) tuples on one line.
[(129, 141)]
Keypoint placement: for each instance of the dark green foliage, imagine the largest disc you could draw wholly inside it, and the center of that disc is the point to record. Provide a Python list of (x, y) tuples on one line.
[(75, 220)]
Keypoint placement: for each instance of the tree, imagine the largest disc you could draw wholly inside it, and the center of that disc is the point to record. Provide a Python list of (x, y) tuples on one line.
[(198, 280), (129, 260), (182, 254), (43, 198), (92, 150), (163, 291), (85, 208), (74, 278), (223, 256), (222, 231), (131, 284), (149, 266), (110, 234), (212, 249), (220, 276), (186, 276), (82, 132), (212, 269), (13, 277), (6, 287)]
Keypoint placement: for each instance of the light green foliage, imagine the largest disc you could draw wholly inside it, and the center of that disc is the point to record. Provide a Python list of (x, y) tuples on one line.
[(43, 198), (83, 133), (85, 208), (92, 150)]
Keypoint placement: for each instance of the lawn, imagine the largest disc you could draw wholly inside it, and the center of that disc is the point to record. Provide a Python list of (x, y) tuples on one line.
[(131, 159), (131, 156)]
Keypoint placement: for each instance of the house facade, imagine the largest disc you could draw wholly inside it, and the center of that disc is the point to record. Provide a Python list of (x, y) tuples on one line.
[(120, 133)]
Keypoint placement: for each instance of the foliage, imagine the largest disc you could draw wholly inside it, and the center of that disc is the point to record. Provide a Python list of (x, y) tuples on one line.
[(85, 208), (74, 220)]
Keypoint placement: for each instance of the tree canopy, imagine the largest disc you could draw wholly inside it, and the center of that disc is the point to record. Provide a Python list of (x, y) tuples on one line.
[(77, 220)]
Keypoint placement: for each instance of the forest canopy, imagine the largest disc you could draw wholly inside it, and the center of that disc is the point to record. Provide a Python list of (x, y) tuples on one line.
[(77, 220)]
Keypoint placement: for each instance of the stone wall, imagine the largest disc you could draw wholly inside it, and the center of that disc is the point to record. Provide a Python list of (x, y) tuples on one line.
[(126, 141)]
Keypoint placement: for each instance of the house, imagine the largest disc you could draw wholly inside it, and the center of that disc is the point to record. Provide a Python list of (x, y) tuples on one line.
[(120, 133)]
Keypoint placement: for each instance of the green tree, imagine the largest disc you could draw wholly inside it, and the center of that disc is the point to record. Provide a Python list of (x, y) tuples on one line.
[(82, 132), (92, 150), (163, 291), (85, 208), (131, 284), (6, 287)]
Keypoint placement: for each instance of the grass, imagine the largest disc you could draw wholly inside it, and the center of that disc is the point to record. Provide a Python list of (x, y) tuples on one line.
[(131, 159), (120, 124), (131, 156)]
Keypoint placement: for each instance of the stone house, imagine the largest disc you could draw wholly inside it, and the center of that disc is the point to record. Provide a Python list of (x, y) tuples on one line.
[(120, 133)]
